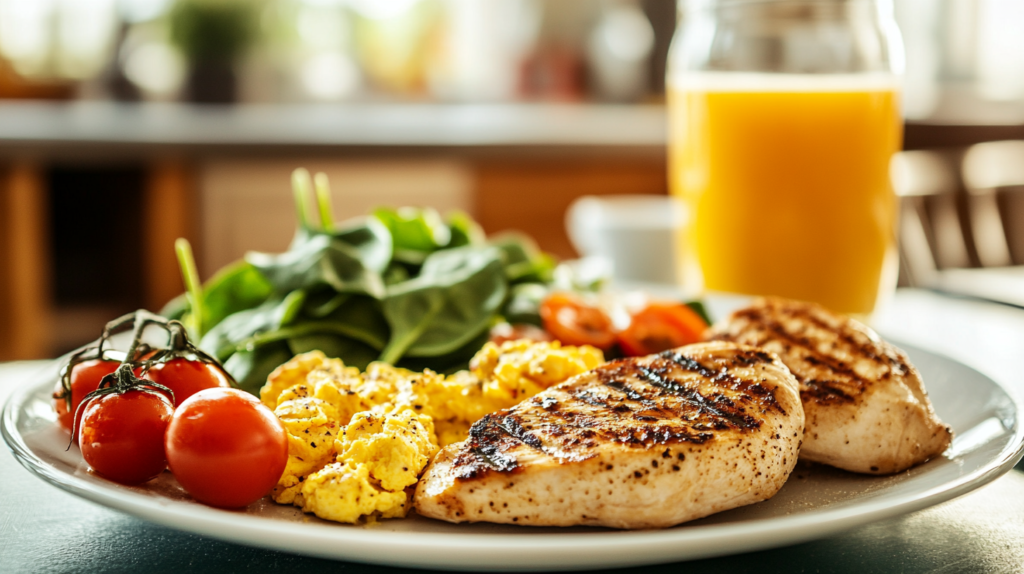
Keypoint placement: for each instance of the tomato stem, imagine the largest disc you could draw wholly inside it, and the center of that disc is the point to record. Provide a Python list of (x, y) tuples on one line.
[(119, 382), (139, 355)]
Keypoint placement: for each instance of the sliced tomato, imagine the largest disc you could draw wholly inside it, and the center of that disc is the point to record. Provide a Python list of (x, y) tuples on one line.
[(574, 322), (661, 326)]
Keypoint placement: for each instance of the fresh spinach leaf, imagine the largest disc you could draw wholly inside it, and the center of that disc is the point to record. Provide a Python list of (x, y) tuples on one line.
[(699, 308), (361, 318), (410, 257), (524, 261), (464, 230), (353, 353), (323, 260), (371, 239), (236, 330), (523, 305), (448, 363), (251, 368), (234, 288), (176, 308), (452, 301), (398, 272), (237, 287), (325, 301), (414, 229)]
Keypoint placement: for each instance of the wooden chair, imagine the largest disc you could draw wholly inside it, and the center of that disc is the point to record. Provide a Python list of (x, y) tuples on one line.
[(940, 192), (931, 236), (992, 173)]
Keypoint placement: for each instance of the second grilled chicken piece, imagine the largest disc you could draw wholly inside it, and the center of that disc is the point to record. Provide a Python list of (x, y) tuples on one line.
[(636, 443), (865, 404)]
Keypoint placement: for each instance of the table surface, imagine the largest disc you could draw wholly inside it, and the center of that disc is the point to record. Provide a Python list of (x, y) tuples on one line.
[(43, 529)]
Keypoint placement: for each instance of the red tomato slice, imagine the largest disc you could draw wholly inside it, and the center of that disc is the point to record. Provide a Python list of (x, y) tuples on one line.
[(85, 378), (225, 448), (574, 322), (185, 377), (661, 326), (122, 435)]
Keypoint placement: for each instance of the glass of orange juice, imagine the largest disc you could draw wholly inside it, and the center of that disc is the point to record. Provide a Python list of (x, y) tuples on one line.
[(783, 118)]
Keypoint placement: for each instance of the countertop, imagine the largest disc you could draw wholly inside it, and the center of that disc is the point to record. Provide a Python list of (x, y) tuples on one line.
[(29, 129), (43, 529)]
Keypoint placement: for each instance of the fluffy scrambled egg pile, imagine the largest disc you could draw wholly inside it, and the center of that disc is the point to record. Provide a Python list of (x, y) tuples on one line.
[(357, 441)]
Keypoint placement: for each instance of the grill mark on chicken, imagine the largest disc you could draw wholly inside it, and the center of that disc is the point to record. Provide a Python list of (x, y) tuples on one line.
[(512, 425), (622, 388), (866, 350), (747, 358), (635, 443), (696, 399), (866, 407), (648, 405), (487, 441), (822, 391)]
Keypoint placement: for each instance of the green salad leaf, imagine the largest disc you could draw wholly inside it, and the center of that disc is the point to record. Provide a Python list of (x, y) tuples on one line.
[(402, 285), (452, 300), (323, 260)]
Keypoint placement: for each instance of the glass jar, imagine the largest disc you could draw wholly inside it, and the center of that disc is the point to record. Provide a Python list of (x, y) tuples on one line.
[(783, 118)]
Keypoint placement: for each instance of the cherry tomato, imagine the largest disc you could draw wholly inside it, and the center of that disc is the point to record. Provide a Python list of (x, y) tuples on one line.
[(85, 378), (185, 377), (574, 322), (122, 435), (225, 448), (661, 326)]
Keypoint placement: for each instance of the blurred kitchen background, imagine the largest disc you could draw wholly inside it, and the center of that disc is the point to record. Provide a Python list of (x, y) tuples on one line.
[(127, 123)]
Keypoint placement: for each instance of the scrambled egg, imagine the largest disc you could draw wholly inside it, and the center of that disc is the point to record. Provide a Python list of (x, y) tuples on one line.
[(517, 370), (343, 492), (358, 441)]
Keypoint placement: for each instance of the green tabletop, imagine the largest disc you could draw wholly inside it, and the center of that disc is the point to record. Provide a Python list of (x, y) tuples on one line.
[(43, 529)]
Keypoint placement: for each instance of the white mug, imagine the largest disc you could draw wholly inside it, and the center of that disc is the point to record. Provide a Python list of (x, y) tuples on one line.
[(636, 234)]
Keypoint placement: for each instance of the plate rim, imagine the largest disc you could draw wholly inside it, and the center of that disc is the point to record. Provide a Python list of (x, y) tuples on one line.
[(435, 549)]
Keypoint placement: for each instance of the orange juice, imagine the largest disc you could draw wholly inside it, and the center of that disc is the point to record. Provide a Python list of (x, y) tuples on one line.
[(788, 186)]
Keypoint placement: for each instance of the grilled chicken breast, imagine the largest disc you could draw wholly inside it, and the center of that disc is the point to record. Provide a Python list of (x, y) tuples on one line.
[(865, 405), (635, 443)]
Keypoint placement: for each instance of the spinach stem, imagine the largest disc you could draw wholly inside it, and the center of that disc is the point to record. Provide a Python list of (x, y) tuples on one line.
[(308, 329), (301, 188), (193, 288), (323, 201), (397, 346)]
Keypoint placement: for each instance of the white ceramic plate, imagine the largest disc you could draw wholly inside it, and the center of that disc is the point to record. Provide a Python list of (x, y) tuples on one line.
[(815, 502)]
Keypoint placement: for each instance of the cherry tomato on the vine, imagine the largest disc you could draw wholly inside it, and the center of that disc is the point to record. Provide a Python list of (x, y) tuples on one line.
[(185, 377), (225, 448), (122, 434), (85, 378), (574, 322), (661, 326)]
